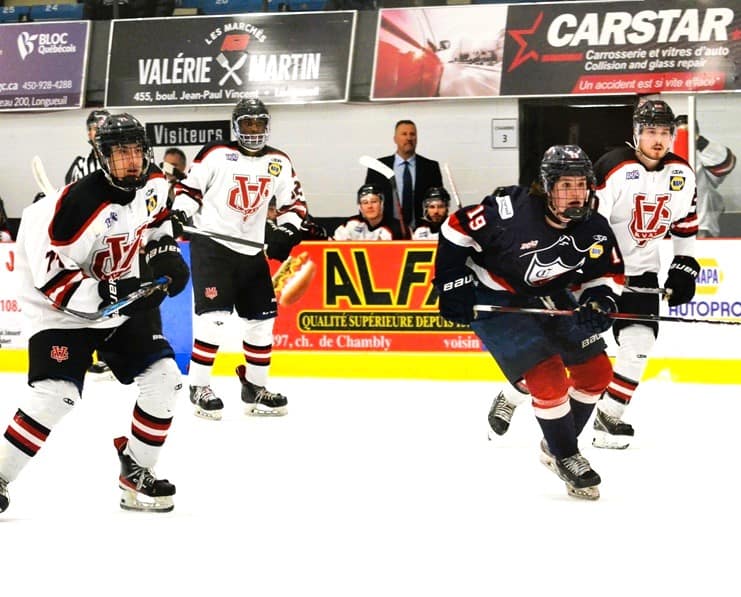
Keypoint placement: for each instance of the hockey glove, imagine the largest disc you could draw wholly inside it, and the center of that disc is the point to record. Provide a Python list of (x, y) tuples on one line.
[(457, 295), (595, 306), (680, 282), (280, 240), (178, 219), (112, 291), (164, 259), (311, 230)]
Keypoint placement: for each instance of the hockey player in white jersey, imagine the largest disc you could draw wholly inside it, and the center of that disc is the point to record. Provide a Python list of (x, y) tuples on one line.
[(80, 251), (646, 192), (227, 190), (369, 223)]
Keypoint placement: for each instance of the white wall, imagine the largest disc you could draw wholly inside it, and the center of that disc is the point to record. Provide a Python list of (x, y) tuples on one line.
[(325, 141)]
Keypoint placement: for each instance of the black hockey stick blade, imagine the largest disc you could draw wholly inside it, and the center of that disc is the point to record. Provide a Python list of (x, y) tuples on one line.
[(629, 316), (226, 237), (113, 309)]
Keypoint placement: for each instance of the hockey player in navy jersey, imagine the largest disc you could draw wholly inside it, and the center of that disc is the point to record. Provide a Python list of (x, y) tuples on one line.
[(228, 190), (542, 247), (80, 251), (646, 192)]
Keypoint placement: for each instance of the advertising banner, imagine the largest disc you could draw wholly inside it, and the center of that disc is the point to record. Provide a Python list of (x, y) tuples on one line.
[(42, 65), (12, 334), (641, 47), (370, 297), (281, 58)]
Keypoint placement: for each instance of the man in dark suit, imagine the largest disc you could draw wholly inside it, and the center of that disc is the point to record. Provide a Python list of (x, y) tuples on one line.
[(414, 175)]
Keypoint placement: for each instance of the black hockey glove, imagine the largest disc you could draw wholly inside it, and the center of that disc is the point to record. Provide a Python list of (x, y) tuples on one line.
[(112, 291), (164, 259), (595, 306), (681, 280), (280, 240), (178, 219), (457, 295), (311, 230)]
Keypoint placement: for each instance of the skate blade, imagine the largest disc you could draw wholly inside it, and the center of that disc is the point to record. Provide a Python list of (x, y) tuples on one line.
[(137, 502), (602, 439), (262, 411), (548, 462), (583, 493), (211, 415)]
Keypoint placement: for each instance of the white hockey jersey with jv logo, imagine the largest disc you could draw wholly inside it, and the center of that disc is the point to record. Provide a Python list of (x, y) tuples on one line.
[(228, 191), (643, 207), (91, 232)]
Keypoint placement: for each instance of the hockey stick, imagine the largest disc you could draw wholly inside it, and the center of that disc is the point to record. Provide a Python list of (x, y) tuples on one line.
[(42, 180), (631, 316), (638, 289), (378, 166), (453, 189), (226, 237), (114, 308)]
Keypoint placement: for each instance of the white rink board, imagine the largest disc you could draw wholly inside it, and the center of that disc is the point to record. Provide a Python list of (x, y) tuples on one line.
[(718, 294)]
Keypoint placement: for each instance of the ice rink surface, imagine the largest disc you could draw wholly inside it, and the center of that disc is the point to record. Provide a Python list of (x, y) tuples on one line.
[(378, 488)]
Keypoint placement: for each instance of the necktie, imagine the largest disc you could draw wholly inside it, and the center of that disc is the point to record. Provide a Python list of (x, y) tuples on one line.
[(407, 201)]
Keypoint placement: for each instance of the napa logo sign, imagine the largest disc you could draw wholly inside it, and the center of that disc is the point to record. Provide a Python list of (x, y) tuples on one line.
[(710, 277)]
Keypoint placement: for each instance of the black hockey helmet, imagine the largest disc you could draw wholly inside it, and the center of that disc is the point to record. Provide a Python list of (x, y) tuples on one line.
[(653, 113), (251, 108), (435, 195), (567, 160), (370, 189), (119, 130), (96, 118)]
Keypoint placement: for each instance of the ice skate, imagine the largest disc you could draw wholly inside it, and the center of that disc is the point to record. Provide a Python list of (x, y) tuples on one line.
[(141, 491), (500, 415), (259, 400), (208, 405), (4, 499), (581, 480), (611, 432)]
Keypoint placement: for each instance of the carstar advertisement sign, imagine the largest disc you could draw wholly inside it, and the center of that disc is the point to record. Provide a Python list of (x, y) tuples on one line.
[(279, 58), (653, 46)]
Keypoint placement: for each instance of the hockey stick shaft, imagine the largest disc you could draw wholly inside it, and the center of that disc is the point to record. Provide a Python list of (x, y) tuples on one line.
[(628, 316), (39, 175), (226, 237), (386, 172), (453, 188), (114, 308), (640, 290)]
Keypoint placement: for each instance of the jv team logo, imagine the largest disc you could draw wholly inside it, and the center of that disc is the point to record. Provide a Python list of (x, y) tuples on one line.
[(248, 195), (650, 219), (44, 43), (59, 353)]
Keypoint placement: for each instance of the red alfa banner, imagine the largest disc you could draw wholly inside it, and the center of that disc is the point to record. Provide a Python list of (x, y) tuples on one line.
[(370, 297)]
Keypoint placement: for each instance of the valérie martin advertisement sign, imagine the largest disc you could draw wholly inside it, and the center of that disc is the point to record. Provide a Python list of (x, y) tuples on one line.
[(42, 65), (650, 46), (281, 58)]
